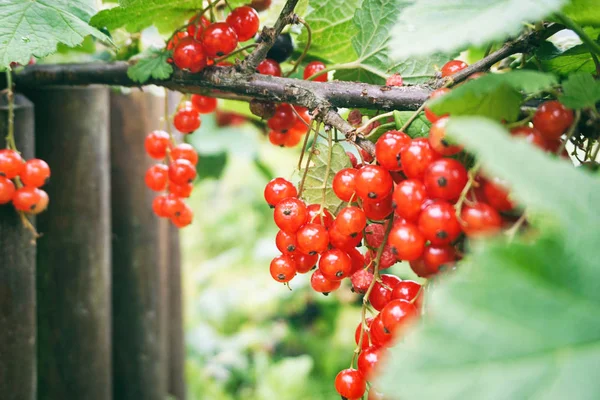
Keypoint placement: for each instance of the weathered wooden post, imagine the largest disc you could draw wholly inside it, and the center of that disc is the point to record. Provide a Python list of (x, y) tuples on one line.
[(17, 275), (74, 253)]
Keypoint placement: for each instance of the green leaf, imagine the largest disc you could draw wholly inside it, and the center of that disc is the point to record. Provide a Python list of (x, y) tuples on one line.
[(211, 165), (580, 91), (135, 15), (493, 95), (519, 320), (431, 26), (88, 46), (332, 27), (418, 128), (416, 70), (563, 63), (316, 184), (153, 64), (583, 12), (35, 28)]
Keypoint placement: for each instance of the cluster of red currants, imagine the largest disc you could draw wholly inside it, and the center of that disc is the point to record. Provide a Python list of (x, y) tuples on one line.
[(204, 41), (20, 182), (176, 175)]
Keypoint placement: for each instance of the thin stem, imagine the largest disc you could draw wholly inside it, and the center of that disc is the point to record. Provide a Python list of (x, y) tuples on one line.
[(463, 195), (412, 118), (308, 42), (303, 149), (167, 115), (570, 132), (228, 5), (10, 137), (241, 49), (328, 166), (595, 153), (376, 118), (513, 230), (312, 151), (572, 25), (213, 17), (28, 225)]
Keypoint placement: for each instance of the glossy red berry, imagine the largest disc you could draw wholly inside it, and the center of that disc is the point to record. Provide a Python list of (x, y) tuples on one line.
[(204, 104), (439, 142), (480, 219), (445, 179), (335, 265), (7, 190), (318, 215), (357, 259), (186, 119), (173, 206), (269, 67), (184, 190), (312, 239), (344, 184), (374, 235), (381, 295), (378, 210), (283, 268), (321, 284), (359, 329), (407, 290), (290, 214), (368, 360), (352, 158), (380, 337), (496, 194), (286, 243), (452, 67), (416, 157), (435, 257), (350, 221), (184, 217), (35, 173), (394, 80), (552, 119), (158, 206), (245, 22), (531, 135), (156, 144), (11, 163), (156, 177), (428, 113), (342, 241), (196, 26), (176, 39), (388, 148), (304, 262), (397, 315), (439, 224), (350, 384), (30, 200), (189, 54), (292, 138), (219, 39), (182, 172), (279, 189), (407, 241), (278, 138), (186, 152), (313, 68), (361, 280), (373, 182), (408, 198), (283, 119)]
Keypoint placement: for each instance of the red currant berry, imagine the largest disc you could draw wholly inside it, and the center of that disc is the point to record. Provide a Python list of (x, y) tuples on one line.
[(552, 119), (374, 234), (204, 104), (292, 138), (304, 262), (173, 206), (184, 190), (156, 177), (361, 280), (445, 179), (380, 337), (278, 138), (284, 118), (185, 151), (219, 39), (184, 217), (373, 182), (397, 315), (335, 265), (378, 210), (313, 68), (181, 172), (189, 55), (316, 215), (175, 40), (30, 200), (496, 194), (365, 156), (358, 260), (480, 219), (290, 214), (158, 206), (279, 189), (407, 241), (439, 224), (435, 257), (321, 284), (35, 173), (408, 198), (286, 243), (428, 113), (283, 268), (452, 67), (382, 293), (186, 119), (416, 157), (407, 290), (156, 144), (7, 190), (350, 384), (312, 239), (341, 241), (245, 22), (196, 26), (438, 140), (367, 362), (269, 67), (352, 158), (388, 258), (350, 221), (359, 329), (11, 163), (388, 148), (394, 80), (531, 135), (344, 184)]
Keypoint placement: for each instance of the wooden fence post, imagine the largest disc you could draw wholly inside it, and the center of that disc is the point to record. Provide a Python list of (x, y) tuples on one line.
[(177, 387), (17, 275), (73, 260)]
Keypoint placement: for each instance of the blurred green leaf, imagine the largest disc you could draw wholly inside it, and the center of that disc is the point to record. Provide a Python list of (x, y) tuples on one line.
[(88, 46), (285, 380), (583, 12), (211, 165), (264, 169), (581, 90), (151, 64), (575, 59), (418, 128)]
